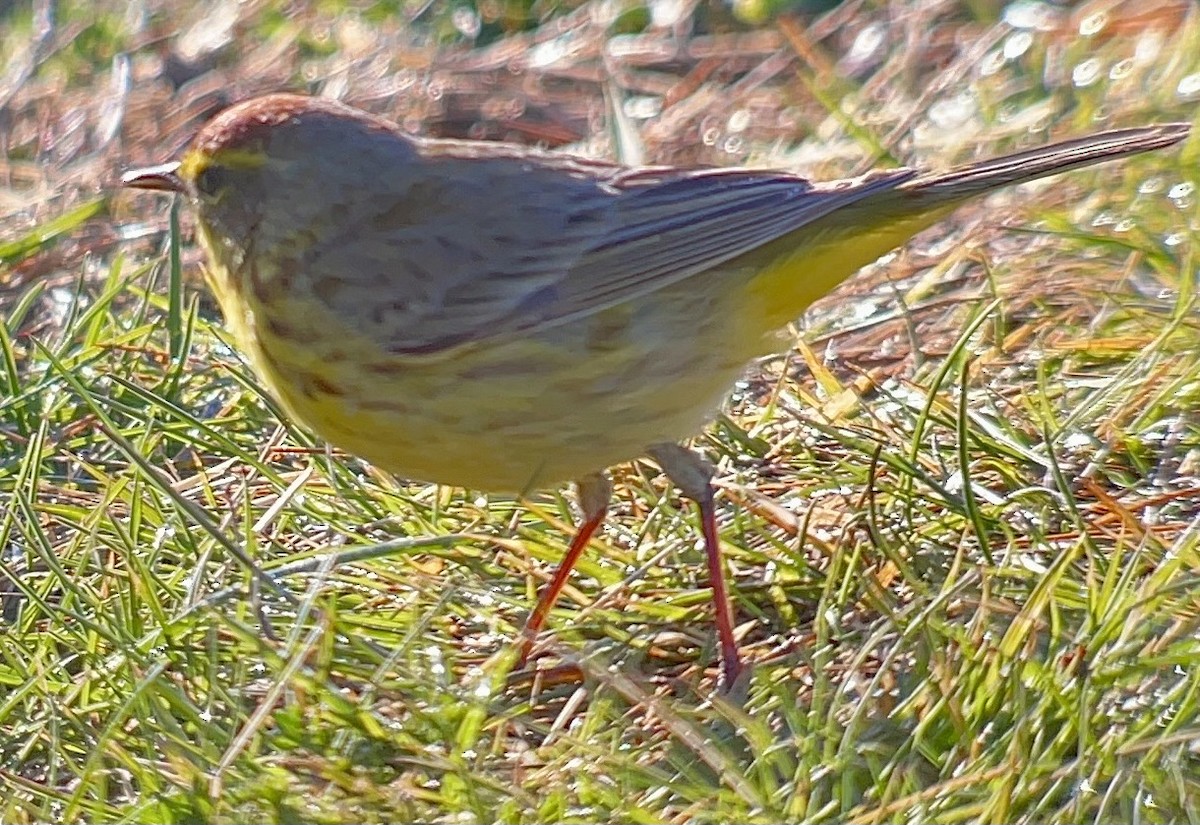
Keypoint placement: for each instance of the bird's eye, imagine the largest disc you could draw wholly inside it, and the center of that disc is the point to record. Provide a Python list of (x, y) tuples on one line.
[(210, 179)]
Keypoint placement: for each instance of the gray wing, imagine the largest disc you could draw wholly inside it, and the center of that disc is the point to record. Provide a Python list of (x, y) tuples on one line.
[(472, 254)]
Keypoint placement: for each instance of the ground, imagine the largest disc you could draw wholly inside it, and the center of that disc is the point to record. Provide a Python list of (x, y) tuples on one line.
[(960, 510)]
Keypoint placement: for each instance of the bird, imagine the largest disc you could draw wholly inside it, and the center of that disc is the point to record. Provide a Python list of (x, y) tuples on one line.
[(506, 319)]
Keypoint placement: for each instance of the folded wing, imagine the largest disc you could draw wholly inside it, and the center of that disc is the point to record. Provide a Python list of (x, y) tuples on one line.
[(473, 254)]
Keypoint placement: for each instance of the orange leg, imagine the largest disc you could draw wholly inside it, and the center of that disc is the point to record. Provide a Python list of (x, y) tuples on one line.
[(594, 493), (693, 476)]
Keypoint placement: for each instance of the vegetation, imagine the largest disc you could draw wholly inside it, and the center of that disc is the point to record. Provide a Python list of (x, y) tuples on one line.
[(961, 511)]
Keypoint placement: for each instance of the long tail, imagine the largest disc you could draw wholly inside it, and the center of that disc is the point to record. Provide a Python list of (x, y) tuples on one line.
[(1031, 164), (802, 266)]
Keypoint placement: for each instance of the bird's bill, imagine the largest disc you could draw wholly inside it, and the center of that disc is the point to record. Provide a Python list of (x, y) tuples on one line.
[(161, 178)]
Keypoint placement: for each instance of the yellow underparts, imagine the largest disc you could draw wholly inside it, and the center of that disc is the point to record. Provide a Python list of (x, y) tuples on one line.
[(517, 414)]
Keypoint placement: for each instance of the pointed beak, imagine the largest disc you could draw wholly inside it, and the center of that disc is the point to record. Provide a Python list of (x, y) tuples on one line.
[(162, 178)]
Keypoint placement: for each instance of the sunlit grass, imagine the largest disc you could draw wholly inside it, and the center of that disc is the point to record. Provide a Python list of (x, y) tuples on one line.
[(960, 516)]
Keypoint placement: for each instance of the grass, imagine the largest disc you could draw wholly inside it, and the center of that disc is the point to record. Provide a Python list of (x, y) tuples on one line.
[(960, 513)]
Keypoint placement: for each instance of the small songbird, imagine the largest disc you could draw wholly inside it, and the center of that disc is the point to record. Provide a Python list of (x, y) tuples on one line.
[(501, 318)]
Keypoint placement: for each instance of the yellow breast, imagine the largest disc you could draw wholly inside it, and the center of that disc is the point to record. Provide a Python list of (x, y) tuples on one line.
[(513, 415)]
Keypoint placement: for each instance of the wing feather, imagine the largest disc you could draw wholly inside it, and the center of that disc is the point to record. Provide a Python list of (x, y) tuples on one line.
[(555, 245)]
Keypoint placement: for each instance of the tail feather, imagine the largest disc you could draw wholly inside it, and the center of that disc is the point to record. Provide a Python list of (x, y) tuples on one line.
[(1031, 164), (795, 270)]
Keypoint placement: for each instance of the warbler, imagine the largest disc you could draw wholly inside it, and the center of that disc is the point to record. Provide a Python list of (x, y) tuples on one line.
[(501, 318)]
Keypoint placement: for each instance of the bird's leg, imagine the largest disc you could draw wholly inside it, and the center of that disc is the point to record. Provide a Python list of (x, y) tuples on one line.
[(593, 492), (693, 476)]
